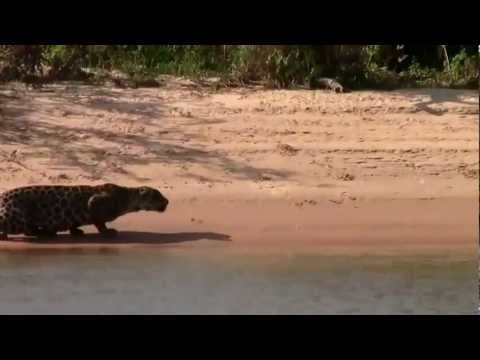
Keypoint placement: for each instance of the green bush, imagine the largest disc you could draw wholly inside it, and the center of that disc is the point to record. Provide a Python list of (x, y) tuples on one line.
[(355, 66), (464, 67)]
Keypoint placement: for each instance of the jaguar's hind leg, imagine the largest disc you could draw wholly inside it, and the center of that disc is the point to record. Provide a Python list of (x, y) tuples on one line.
[(31, 230), (45, 233), (41, 233), (32, 227)]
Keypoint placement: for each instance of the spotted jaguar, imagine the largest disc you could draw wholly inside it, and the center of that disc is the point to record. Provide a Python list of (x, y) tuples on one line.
[(42, 211)]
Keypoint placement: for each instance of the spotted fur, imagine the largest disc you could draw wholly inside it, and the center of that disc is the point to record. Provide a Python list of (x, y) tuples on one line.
[(46, 210)]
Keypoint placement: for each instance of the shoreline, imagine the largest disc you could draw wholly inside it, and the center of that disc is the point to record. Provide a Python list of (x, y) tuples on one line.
[(375, 228)]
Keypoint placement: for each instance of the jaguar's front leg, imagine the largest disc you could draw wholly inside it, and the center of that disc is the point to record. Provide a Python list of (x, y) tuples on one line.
[(104, 231), (76, 232), (102, 207)]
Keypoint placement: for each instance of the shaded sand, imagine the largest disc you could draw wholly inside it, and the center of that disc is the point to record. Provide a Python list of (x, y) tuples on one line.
[(236, 141)]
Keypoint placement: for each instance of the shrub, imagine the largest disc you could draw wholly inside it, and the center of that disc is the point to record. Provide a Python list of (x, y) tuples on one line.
[(279, 65)]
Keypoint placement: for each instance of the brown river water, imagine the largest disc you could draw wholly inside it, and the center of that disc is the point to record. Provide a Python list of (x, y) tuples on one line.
[(178, 280)]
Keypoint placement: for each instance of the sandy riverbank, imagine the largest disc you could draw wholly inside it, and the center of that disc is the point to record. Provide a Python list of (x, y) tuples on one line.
[(291, 169)]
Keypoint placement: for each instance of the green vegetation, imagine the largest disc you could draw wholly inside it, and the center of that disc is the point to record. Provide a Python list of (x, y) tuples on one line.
[(369, 66)]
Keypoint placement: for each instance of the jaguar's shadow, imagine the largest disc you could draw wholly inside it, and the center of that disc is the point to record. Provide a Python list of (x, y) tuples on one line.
[(132, 237)]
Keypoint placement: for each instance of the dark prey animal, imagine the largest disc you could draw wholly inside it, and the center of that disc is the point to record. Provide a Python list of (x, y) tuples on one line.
[(45, 210)]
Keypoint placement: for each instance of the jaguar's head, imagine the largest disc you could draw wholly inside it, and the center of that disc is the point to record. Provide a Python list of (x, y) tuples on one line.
[(150, 199)]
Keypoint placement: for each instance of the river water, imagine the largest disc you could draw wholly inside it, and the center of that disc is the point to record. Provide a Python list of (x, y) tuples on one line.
[(186, 281)]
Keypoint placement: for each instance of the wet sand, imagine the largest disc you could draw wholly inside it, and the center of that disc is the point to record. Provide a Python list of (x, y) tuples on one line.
[(381, 227)]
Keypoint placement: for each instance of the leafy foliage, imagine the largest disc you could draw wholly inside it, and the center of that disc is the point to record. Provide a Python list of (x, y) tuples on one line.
[(376, 66)]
